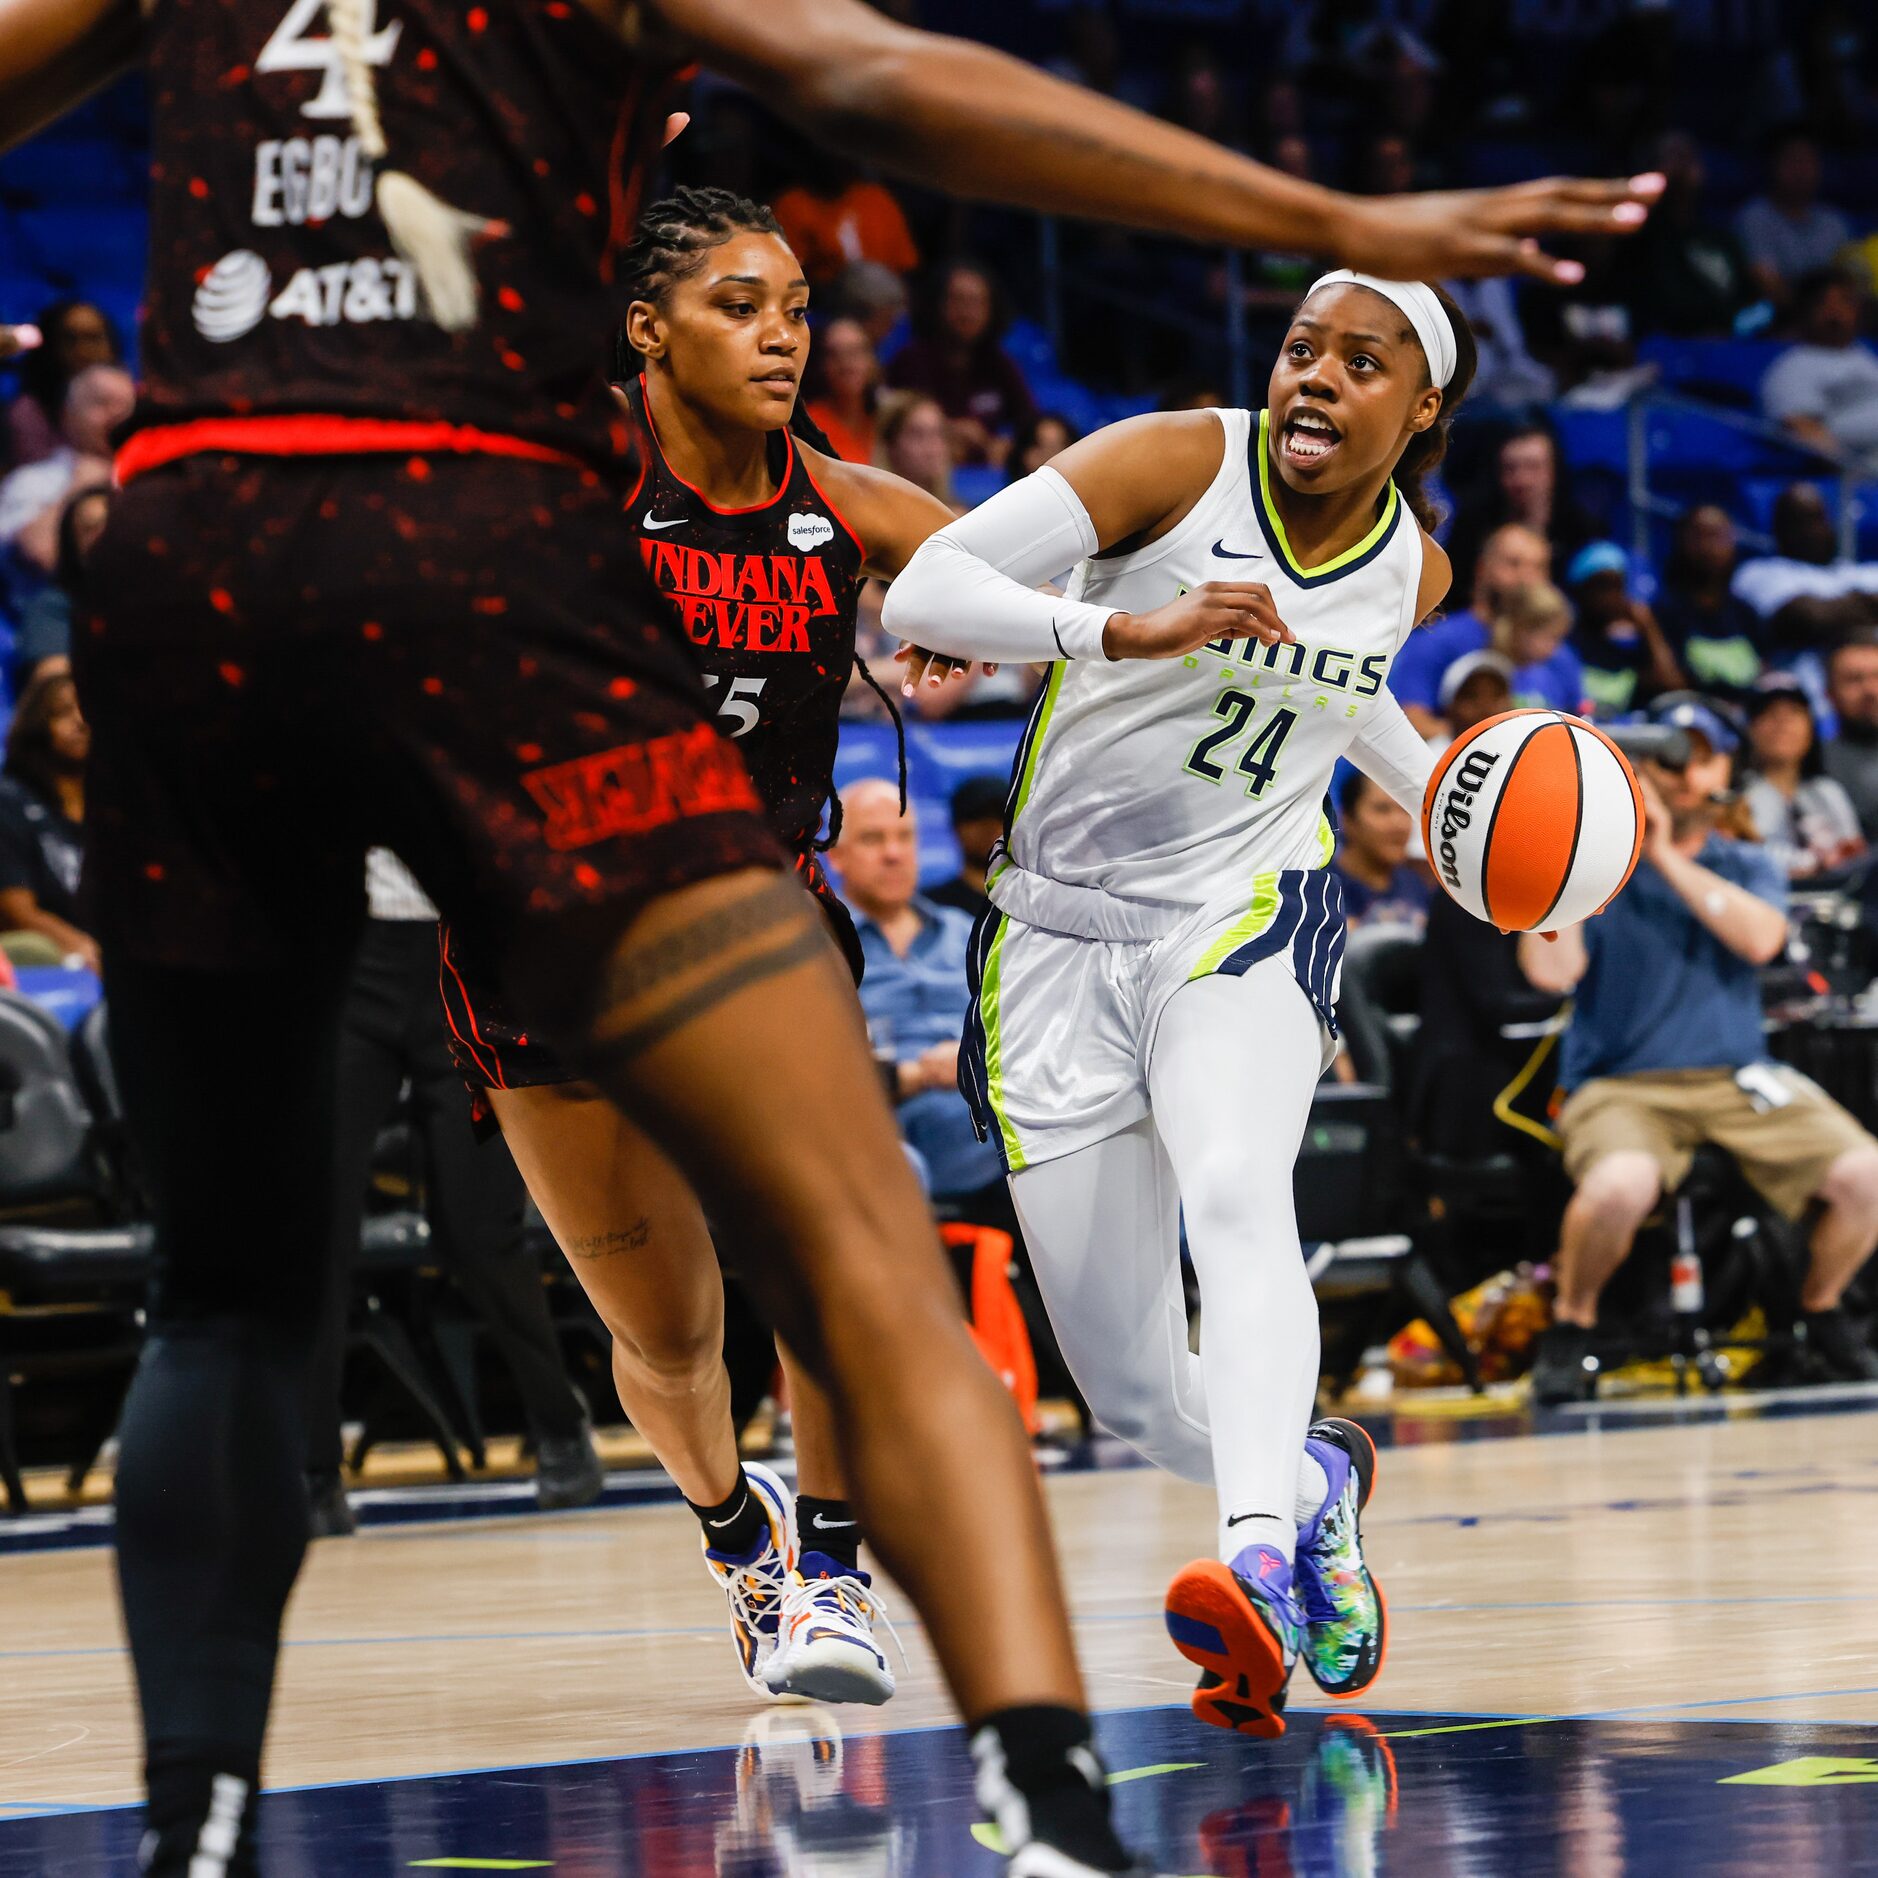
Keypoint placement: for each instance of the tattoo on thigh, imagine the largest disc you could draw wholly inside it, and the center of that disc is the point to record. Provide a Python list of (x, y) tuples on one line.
[(778, 902), (600, 1245), (717, 984)]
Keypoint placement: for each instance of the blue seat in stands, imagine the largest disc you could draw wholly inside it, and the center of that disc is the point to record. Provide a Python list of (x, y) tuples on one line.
[(973, 483), (1732, 366)]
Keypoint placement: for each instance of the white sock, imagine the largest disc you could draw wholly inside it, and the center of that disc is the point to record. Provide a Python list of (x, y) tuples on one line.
[(1240, 1530), (1313, 1486)]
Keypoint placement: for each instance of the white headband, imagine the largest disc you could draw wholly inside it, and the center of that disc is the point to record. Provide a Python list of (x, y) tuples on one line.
[(1418, 305)]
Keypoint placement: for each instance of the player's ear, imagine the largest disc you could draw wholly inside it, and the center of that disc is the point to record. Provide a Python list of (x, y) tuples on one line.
[(1425, 409), (645, 330)]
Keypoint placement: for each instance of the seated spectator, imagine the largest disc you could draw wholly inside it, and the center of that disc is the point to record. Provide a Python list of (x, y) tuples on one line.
[(1627, 661), (1804, 597), (1531, 630), (1585, 333), (1509, 378), (46, 624), (1786, 232), (915, 441), (42, 816), (977, 826), (874, 295), (1666, 1050), (1529, 488), (955, 359), (74, 334), (1681, 273), (914, 993), (32, 498), (836, 216), (1047, 434), (845, 375), (1474, 689), (1713, 635), (1380, 884), (1824, 387), (1851, 758), (1513, 556), (1804, 818)]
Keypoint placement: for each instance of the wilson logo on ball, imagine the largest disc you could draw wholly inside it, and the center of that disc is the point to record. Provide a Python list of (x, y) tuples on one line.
[(1533, 821)]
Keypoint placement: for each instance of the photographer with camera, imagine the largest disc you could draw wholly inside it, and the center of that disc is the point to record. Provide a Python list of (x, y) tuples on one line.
[(1666, 1050)]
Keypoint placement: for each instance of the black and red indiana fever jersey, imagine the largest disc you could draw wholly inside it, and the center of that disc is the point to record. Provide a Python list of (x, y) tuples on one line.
[(767, 597), (273, 288)]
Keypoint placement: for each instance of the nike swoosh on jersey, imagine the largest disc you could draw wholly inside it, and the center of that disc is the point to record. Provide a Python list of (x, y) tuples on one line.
[(648, 522), (1229, 554)]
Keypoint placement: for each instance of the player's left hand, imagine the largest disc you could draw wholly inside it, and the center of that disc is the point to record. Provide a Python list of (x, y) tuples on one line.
[(1471, 232), (17, 339), (931, 668)]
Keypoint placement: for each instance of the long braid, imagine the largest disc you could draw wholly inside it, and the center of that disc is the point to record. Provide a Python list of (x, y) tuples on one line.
[(431, 235)]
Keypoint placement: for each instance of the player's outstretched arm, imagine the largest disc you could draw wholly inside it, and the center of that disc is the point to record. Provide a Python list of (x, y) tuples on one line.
[(983, 125), (971, 590), (55, 54)]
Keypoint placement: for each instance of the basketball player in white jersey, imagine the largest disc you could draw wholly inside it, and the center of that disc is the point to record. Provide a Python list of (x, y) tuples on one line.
[(1155, 983)]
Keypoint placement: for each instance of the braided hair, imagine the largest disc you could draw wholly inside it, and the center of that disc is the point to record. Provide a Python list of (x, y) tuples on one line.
[(670, 244)]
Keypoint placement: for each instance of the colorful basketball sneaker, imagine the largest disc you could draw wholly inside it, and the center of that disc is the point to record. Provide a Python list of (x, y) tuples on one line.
[(1346, 1622), (825, 1651), (754, 1585), (1241, 1624)]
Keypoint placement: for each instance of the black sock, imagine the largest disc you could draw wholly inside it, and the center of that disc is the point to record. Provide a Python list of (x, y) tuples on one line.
[(736, 1526), (830, 1528), (1037, 1768), (200, 1801)]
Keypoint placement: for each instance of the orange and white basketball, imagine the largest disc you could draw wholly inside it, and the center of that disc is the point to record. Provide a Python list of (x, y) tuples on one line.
[(1532, 820)]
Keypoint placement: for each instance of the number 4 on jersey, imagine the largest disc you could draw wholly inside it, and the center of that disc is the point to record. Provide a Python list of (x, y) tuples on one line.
[(292, 48), (1259, 761)]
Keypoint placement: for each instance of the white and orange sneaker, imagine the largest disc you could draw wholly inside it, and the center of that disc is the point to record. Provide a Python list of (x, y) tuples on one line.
[(754, 1586), (827, 1651)]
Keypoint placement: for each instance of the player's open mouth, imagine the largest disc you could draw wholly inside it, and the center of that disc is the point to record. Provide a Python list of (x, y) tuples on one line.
[(1309, 437)]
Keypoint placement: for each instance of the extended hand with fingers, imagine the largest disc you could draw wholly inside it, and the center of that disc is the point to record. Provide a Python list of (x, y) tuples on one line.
[(932, 668), (1491, 231), (1218, 609)]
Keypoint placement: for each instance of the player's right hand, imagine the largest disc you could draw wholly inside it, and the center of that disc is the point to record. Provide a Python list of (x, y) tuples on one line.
[(1217, 609), (1471, 232), (17, 339)]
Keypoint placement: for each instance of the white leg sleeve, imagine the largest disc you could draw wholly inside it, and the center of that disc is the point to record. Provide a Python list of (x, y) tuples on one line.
[(1234, 1066), (1103, 1229)]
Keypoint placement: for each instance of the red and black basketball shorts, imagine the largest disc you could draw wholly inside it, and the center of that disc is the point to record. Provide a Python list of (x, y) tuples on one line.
[(455, 656), (493, 1048)]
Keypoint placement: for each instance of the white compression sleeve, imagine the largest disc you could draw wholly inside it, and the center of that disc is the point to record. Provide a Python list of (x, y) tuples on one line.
[(1393, 754), (970, 591)]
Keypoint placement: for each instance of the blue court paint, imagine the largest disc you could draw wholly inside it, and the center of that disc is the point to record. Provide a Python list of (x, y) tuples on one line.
[(1338, 1794)]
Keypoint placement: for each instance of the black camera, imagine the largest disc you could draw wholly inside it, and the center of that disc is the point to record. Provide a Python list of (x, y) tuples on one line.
[(1661, 744)]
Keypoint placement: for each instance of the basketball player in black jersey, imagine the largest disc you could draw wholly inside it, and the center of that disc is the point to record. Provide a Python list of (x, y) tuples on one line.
[(760, 541), (365, 582)]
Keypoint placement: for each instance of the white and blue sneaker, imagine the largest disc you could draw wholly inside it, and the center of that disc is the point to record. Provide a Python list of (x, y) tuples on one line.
[(754, 1585), (826, 1651)]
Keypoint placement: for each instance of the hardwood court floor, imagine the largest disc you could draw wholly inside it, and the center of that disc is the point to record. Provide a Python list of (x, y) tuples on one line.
[(1593, 1584)]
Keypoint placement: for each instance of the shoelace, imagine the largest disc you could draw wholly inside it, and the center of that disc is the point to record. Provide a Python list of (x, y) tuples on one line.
[(750, 1588), (812, 1594)]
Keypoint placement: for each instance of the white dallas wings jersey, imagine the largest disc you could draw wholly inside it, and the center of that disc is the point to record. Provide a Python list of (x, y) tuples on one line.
[(1176, 782)]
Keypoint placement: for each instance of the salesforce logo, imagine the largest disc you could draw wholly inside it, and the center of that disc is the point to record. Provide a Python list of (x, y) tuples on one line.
[(233, 297)]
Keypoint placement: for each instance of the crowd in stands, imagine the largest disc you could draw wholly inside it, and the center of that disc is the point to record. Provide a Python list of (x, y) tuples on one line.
[(1767, 233)]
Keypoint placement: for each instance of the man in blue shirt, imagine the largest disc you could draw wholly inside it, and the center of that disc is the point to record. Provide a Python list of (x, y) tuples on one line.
[(1513, 557), (1666, 1050), (914, 993)]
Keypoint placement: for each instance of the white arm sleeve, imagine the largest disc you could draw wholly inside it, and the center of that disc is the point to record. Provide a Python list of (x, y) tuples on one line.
[(1393, 754), (970, 591)]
